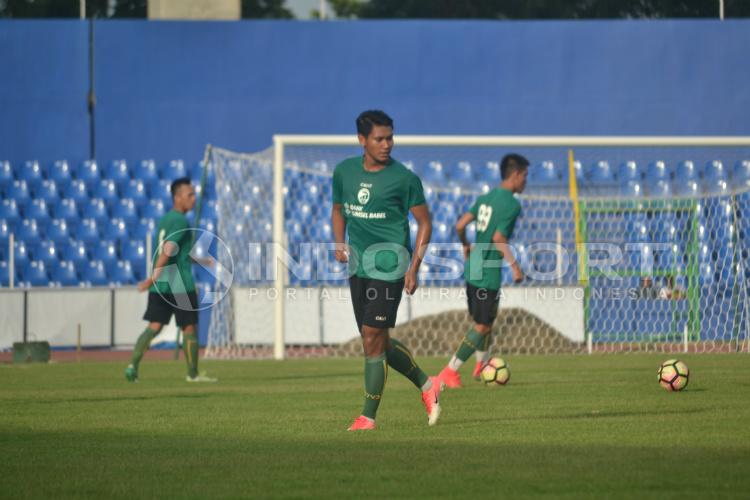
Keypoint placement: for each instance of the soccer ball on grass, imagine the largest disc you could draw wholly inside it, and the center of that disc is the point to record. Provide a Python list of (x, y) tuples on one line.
[(495, 372), (673, 375)]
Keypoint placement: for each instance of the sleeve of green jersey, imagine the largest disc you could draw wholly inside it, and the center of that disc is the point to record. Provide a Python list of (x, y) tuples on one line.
[(415, 195), (506, 222), (336, 191), (175, 228)]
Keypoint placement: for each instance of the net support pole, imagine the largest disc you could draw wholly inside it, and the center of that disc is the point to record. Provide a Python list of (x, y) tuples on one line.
[(278, 240), (11, 262)]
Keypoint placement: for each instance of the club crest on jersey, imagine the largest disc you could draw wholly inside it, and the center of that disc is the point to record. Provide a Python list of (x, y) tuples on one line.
[(363, 196)]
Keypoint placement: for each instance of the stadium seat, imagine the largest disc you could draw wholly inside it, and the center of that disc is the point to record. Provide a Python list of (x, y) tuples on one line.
[(685, 171), (30, 172), (174, 170), (146, 228), (9, 213), (65, 274), (105, 251), (442, 232), (5, 274), (657, 170), (48, 253), (6, 175), (154, 209), (136, 191), (59, 172), (107, 191), (461, 173), (76, 252), (146, 171), (87, 231), (118, 171), (545, 174), (77, 191), (489, 172), (117, 230), (208, 210), (134, 251), (715, 186), (629, 171), (433, 173), (160, 189), (631, 188), (35, 274), (714, 170), (47, 191), (96, 209), (600, 173), (20, 254), (122, 273), (95, 274), (57, 231), (741, 174), (5, 230), (66, 209), (19, 191), (28, 231), (37, 210), (126, 210), (659, 188), (88, 172), (685, 186)]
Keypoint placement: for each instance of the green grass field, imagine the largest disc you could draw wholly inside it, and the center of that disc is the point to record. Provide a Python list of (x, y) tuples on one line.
[(564, 427)]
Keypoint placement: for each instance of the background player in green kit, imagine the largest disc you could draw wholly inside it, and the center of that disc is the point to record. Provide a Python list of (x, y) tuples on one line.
[(496, 213), (373, 195), (171, 289)]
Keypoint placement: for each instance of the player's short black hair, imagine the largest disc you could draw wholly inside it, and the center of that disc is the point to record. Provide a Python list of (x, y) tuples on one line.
[(368, 119), (511, 163), (177, 183)]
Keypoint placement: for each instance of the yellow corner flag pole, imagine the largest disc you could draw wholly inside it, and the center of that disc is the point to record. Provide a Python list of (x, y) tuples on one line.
[(580, 248)]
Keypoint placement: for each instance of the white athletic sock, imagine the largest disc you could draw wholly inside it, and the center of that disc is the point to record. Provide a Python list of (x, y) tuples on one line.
[(427, 385), (481, 356), (455, 363)]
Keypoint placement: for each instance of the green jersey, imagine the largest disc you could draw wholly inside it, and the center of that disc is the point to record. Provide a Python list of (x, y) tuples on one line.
[(177, 274), (376, 208), (494, 211)]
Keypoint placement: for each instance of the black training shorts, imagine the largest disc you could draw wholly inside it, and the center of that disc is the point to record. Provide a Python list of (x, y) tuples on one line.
[(184, 306), (375, 302), (483, 304)]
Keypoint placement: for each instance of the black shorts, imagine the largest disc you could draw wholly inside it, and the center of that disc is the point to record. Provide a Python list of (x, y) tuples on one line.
[(483, 304), (375, 302), (162, 306)]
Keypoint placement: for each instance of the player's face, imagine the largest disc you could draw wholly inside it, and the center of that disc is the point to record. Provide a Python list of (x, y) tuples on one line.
[(379, 144), (184, 199), (521, 179)]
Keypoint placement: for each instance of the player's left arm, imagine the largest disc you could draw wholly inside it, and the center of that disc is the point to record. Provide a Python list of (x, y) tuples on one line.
[(424, 232)]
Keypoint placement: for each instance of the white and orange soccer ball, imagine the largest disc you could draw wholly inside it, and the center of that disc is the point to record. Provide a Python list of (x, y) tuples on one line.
[(495, 372), (673, 375)]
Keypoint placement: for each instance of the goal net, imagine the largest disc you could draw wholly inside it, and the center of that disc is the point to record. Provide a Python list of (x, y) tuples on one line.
[(627, 244)]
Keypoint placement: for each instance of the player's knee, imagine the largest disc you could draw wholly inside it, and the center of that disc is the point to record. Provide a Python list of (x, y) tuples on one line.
[(374, 340), (189, 330), (482, 329), (155, 327)]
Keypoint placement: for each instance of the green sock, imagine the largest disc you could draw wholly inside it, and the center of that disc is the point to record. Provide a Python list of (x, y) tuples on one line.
[(469, 344), (190, 347), (376, 372), (141, 346), (401, 360)]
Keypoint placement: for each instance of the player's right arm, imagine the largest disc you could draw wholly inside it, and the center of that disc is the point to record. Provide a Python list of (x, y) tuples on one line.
[(502, 246), (167, 249), (464, 221)]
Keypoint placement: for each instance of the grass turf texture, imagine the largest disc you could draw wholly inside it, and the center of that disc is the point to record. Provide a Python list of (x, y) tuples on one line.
[(564, 427)]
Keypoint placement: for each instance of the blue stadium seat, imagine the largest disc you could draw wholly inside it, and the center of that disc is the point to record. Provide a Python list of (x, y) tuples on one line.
[(47, 191), (77, 253), (154, 209), (95, 274), (117, 230), (107, 191), (461, 173), (9, 213), (48, 253), (682, 186), (20, 254), (19, 191), (88, 172), (631, 189), (59, 172), (6, 174), (118, 171), (489, 172), (5, 230), (545, 174), (31, 173), (96, 209), (174, 170), (66, 209), (105, 251), (35, 274), (657, 170), (442, 232), (28, 231), (77, 191), (714, 170), (208, 210), (659, 188), (160, 190), (433, 173), (741, 174), (122, 273), (136, 191), (715, 186), (146, 228), (87, 231), (685, 171), (37, 210), (5, 274), (629, 170), (127, 211), (57, 231), (134, 251), (65, 274), (600, 173), (146, 171)]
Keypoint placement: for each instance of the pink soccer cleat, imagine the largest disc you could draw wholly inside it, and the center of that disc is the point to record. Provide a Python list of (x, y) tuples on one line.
[(362, 423), (449, 378), (431, 400), (477, 373)]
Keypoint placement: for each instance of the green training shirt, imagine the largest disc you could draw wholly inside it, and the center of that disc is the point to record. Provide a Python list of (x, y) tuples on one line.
[(494, 211), (376, 208), (177, 275)]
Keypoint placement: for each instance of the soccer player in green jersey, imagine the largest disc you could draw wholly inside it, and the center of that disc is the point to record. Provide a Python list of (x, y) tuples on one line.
[(373, 195), (496, 213), (171, 289)]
